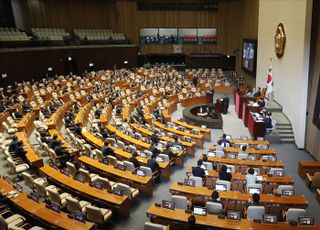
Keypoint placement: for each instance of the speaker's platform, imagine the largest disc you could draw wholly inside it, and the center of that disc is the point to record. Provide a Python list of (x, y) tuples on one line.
[(203, 114)]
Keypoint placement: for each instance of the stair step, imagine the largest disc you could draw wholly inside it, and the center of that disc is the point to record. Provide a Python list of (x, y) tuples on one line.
[(286, 135), (287, 140), (283, 128), (283, 131), (284, 124)]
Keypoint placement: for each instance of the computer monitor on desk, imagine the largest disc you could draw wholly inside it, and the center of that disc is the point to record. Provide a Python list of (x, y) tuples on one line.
[(254, 190), (269, 219), (168, 204), (288, 192), (232, 215), (306, 220), (199, 211)]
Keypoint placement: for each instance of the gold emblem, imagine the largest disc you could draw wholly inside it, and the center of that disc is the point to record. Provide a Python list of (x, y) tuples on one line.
[(280, 40)]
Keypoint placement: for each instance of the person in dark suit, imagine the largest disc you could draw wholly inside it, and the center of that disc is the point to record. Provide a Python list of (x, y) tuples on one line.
[(77, 129), (134, 161), (258, 93), (17, 114), (154, 166), (25, 107), (168, 152), (107, 150), (54, 141), (191, 225), (19, 150), (13, 144), (255, 200), (198, 171), (224, 175), (154, 138), (176, 141), (60, 151)]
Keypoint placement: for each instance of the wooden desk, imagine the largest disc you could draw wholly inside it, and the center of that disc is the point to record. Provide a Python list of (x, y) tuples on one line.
[(249, 142), (3, 118), (32, 156), (256, 128), (41, 213), (197, 138), (244, 164), (82, 115), (308, 167), (118, 204), (190, 146), (106, 115), (144, 184), (204, 193), (166, 216), (250, 150), (194, 101), (56, 118), (206, 132), (26, 123), (239, 181), (127, 138), (169, 217), (5, 187), (164, 166), (73, 151)]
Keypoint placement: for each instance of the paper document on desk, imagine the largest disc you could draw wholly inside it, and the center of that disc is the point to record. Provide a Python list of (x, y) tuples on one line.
[(260, 178)]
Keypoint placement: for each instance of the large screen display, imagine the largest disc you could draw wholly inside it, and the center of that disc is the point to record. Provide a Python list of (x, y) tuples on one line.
[(249, 56)]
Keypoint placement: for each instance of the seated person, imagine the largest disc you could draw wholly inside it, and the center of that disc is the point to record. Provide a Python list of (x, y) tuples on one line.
[(258, 93), (153, 148), (60, 151), (54, 141), (261, 103), (134, 161), (205, 159), (224, 140), (19, 150), (154, 137), (17, 114), (215, 198), (13, 144), (176, 141), (77, 129), (154, 166), (268, 121), (40, 126), (250, 177), (198, 171), (191, 225), (255, 200), (107, 150), (224, 175), (168, 152)]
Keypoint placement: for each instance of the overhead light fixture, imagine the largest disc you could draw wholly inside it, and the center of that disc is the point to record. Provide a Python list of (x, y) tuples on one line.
[(90, 64), (125, 62), (4, 75)]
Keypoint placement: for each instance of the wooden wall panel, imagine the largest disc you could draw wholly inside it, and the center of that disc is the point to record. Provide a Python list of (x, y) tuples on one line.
[(249, 29), (32, 63), (313, 132), (123, 16)]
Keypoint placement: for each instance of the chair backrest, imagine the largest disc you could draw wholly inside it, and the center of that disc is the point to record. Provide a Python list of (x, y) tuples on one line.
[(147, 170), (180, 202), (232, 168), (72, 169), (283, 187), (219, 153), (40, 189), (121, 145), (111, 140), (86, 175), (126, 189), (94, 214), (153, 226), (242, 156), (112, 160), (98, 154), (214, 208), (198, 180), (28, 180), (73, 205), (294, 213), (12, 164), (208, 165), (87, 149), (258, 186), (164, 157), (148, 153), (54, 196), (129, 166), (105, 183), (255, 212), (224, 182), (3, 224)]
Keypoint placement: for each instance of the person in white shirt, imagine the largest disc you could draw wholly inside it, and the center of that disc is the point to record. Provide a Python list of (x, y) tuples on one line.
[(250, 177)]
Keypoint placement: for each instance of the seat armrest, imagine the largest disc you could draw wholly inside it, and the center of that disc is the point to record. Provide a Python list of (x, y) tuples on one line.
[(308, 180)]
